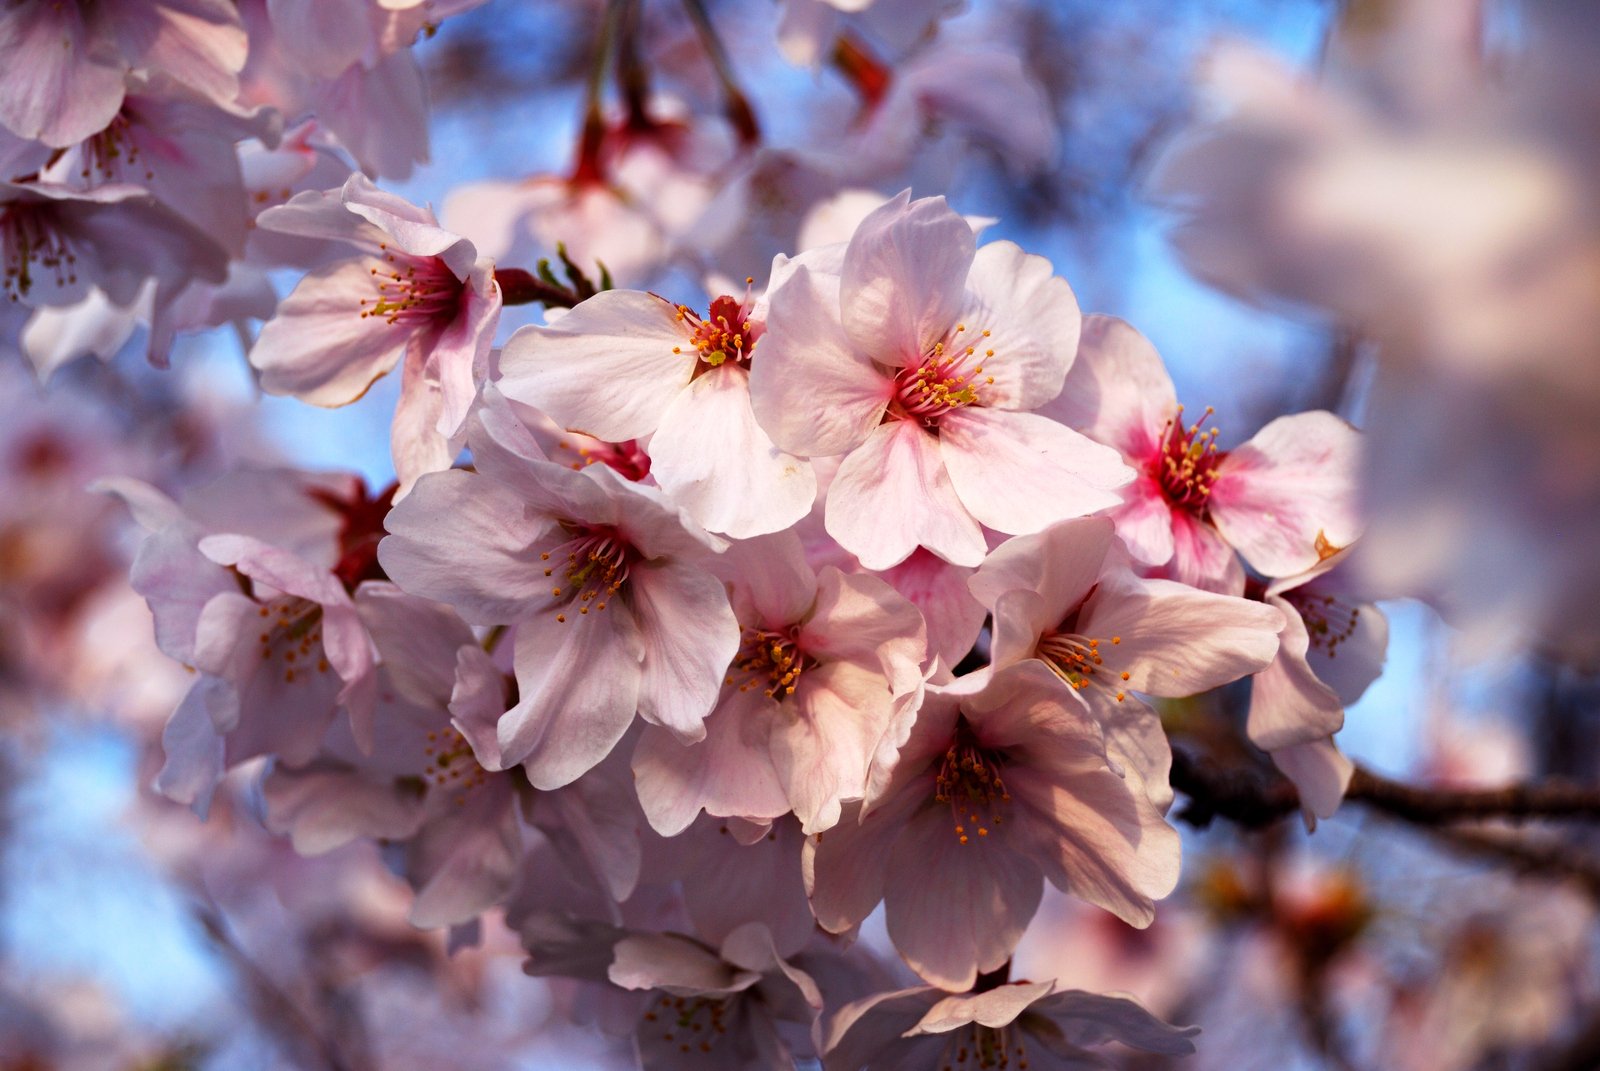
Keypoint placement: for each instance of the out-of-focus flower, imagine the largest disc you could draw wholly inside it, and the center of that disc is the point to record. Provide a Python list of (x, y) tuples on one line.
[(1020, 1024), (68, 63)]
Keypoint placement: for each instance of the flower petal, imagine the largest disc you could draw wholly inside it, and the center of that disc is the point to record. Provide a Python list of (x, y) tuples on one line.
[(728, 774), (1019, 472), (1025, 320), (1118, 391), (607, 368), (904, 279), (689, 638), (319, 347), (715, 461), (892, 494)]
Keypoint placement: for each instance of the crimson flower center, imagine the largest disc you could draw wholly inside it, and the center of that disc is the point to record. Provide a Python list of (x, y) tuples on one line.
[(948, 378), (593, 566), (412, 290), (726, 334), (969, 783), (771, 661), (1185, 465)]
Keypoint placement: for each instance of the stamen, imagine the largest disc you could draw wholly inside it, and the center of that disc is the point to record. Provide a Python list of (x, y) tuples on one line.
[(771, 661), (969, 782), (1185, 466), (595, 561), (412, 290)]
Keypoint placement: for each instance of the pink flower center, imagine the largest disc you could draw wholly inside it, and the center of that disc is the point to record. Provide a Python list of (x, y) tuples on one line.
[(726, 334), (291, 635), (29, 241), (594, 564), (412, 291), (451, 763), (1329, 622), (693, 1024), (627, 458), (771, 661), (946, 379), (1077, 661), (1186, 464), (969, 783)]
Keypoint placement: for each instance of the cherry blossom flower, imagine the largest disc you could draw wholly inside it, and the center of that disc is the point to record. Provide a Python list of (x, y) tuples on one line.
[(1019, 1024), (250, 583), (625, 364), (1004, 781), (1193, 505), (1331, 648), (415, 292), (614, 611), (68, 62), (1067, 597), (921, 363), (825, 683)]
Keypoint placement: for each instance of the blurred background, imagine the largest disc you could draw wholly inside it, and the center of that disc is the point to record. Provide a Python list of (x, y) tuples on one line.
[(1312, 255)]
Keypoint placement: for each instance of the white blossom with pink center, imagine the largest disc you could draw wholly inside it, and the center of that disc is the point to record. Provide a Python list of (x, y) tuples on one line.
[(603, 579), (625, 364), (1031, 1026), (824, 687), (415, 292), (921, 361), (1005, 781), (1069, 598), (1274, 499), (1331, 648)]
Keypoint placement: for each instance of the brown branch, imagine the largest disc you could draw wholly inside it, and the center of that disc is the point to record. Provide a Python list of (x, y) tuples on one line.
[(1255, 797)]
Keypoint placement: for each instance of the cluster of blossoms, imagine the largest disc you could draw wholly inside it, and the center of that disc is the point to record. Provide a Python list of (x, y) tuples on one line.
[(698, 632), (683, 669)]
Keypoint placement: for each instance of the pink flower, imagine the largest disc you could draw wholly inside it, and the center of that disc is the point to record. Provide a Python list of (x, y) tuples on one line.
[(67, 63), (1020, 1024), (602, 577), (1005, 781), (1067, 597), (921, 362), (250, 583), (626, 364), (1193, 505), (415, 292), (829, 667), (1331, 648)]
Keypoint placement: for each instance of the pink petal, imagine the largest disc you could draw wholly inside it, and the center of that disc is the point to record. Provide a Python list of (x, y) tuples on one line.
[(1145, 522), (1118, 391), (728, 774), (1060, 564), (1019, 472), (811, 388), (1201, 558), (466, 860), (769, 580), (892, 494), (905, 272), (1320, 771), (319, 348), (579, 683), (1359, 658), (1295, 480), (860, 618), (845, 866), (825, 739), (996, 1008), (323, 807), (1177, 640), (1016, 306), (63, 83), (715, 461), (1288, 704), (939, 590), (689, 638), (955, 910), (607, 368), (415, 442), (466, 540)]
